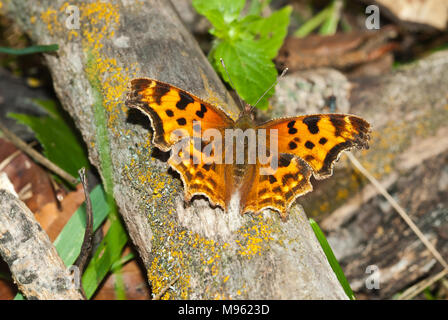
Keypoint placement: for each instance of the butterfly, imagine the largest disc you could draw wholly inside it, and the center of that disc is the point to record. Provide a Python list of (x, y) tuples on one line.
[(307, 145)]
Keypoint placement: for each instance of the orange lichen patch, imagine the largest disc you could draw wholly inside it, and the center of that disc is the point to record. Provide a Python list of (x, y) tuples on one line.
[(255, 239), (99, 20), (174, 256), (50, 18), (102, 18), (114, 81), (72, 34)]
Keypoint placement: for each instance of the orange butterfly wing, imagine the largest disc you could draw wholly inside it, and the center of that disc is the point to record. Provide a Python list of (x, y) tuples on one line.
[(170, 109), (276, 190), (306, 145), (319, 139)]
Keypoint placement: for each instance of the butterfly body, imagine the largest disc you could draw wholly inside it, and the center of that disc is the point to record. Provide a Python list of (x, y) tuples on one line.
[(210, 165)]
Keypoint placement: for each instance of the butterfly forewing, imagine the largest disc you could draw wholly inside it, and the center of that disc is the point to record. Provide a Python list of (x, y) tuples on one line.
[(173, 110)]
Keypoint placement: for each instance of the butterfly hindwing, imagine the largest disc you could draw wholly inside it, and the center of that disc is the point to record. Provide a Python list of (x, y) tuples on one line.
[(171, 110), (199, 175), (275, 189), (319, 139)]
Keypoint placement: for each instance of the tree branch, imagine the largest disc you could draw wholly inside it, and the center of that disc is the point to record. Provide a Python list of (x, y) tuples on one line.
[(218, 255), (35, 265)]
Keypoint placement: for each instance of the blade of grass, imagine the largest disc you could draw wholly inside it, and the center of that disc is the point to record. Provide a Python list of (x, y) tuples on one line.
[(107, 253), (330, 25), (313, 23), (123, 261), (332, 259), (30, 50), (120, 288)]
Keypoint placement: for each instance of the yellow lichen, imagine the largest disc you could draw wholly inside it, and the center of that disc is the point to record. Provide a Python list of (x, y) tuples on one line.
[(254, 238)]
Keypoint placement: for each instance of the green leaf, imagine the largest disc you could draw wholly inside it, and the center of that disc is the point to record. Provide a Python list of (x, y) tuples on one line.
[(330, 25), (30, 50), (69, 241), (218, 11), (107, 254), (56, 133), (270, 32), (332, 259), (256, 6), (247, 45), (314, 22), (250, 70)]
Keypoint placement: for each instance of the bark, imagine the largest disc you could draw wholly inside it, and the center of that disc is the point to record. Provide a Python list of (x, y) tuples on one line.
[(217, 255), (35, 265)]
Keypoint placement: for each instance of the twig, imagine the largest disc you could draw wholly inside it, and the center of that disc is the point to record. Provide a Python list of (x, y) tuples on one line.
[(419, 287), (164, 290), (86, 247), (33, 260), (398, 208), (19, 143)]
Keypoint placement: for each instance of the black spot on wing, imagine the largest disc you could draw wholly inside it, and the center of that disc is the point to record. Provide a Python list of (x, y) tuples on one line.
[(159, 91), (309, 145), (311, 123), (285, 160), (185, 100), (200, 113), (181, 121), (291, 129), (292, 145), (338, 123)]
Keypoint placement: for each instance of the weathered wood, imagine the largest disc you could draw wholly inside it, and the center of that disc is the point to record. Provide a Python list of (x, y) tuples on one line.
[(217, 255), (35, 265)]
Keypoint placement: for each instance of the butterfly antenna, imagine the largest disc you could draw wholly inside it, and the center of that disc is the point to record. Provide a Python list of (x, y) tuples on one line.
[(231, 83), (273, 85)]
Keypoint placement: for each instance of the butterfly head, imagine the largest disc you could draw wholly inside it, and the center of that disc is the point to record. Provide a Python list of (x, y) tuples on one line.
[(247, 113)]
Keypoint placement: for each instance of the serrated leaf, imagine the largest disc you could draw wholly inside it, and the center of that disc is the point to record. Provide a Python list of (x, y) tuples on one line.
[(270, 32), (256, 6), (251, 72)]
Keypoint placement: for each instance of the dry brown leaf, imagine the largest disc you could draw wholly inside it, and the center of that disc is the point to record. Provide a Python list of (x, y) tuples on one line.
[(340, 51), (53, 216), (32, 183)]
